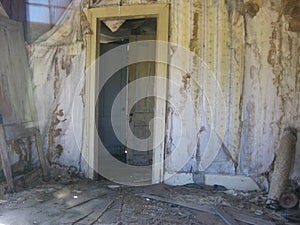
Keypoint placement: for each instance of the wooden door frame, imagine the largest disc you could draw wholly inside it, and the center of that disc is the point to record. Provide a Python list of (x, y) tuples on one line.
[(161, 13)]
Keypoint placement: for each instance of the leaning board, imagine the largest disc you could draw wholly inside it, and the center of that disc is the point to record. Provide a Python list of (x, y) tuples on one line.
[(16, 98)]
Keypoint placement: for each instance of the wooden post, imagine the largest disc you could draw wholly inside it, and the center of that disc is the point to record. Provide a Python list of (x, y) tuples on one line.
[(5, 161)]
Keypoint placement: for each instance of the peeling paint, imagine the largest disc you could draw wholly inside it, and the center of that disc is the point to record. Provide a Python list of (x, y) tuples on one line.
[(255, 60), (272, 61), (251, 8), (54, 132), (233, 6), (56, 83), (186, 80), (194, 42), (219, 45), (67, 64)]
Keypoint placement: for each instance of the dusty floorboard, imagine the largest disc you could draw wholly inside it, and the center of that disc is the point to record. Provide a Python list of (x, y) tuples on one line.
[(84, 202)]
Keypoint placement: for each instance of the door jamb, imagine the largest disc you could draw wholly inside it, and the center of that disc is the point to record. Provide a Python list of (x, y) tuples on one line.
[(161, 13)]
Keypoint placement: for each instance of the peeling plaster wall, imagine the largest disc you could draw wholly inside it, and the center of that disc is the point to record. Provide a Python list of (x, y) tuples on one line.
[(58, 87), (214, 31), (250, 58), (272, 94), (57, 60), (256, 62)]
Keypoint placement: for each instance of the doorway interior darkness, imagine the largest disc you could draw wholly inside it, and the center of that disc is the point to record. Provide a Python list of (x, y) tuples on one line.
[(141, 114), (133, 14)]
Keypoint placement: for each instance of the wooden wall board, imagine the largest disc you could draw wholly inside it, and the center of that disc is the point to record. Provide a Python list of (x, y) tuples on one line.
[(16, 98)]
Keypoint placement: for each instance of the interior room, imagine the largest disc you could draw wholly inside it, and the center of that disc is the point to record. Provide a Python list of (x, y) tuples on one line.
[(150, 112)]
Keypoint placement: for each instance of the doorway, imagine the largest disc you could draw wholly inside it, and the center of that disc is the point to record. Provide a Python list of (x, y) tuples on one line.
[(141, 114), (140, 19)]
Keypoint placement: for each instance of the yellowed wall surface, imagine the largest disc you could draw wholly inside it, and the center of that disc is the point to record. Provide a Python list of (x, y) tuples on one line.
[(238, 86), (272, 94)]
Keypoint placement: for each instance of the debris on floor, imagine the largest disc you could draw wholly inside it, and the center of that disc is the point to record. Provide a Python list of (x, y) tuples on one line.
[(82, 201)]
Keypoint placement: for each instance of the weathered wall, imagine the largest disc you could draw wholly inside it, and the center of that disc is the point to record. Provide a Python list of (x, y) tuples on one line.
[(272, 88), (57, 61), (214, 31), (256, 61), (212, 34), (59, 103), (248, 57)]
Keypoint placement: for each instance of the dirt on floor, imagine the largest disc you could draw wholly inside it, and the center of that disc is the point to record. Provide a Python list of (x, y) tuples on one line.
[(81, 201)]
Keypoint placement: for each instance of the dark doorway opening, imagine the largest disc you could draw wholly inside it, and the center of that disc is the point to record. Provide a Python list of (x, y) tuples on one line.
[(143, 111)]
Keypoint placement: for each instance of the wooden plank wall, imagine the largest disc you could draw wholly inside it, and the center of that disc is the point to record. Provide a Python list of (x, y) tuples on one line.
[(17, 104)]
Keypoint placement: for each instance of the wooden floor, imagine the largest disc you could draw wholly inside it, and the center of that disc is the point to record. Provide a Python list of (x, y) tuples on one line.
[(86, 202)]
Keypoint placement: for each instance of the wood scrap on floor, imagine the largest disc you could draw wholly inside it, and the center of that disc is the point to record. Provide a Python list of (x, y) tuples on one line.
[(176, 202), (86, 213), (247, 218), (72, 203), (95, 216), (228, 219), (214, 210), (86, 202)]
